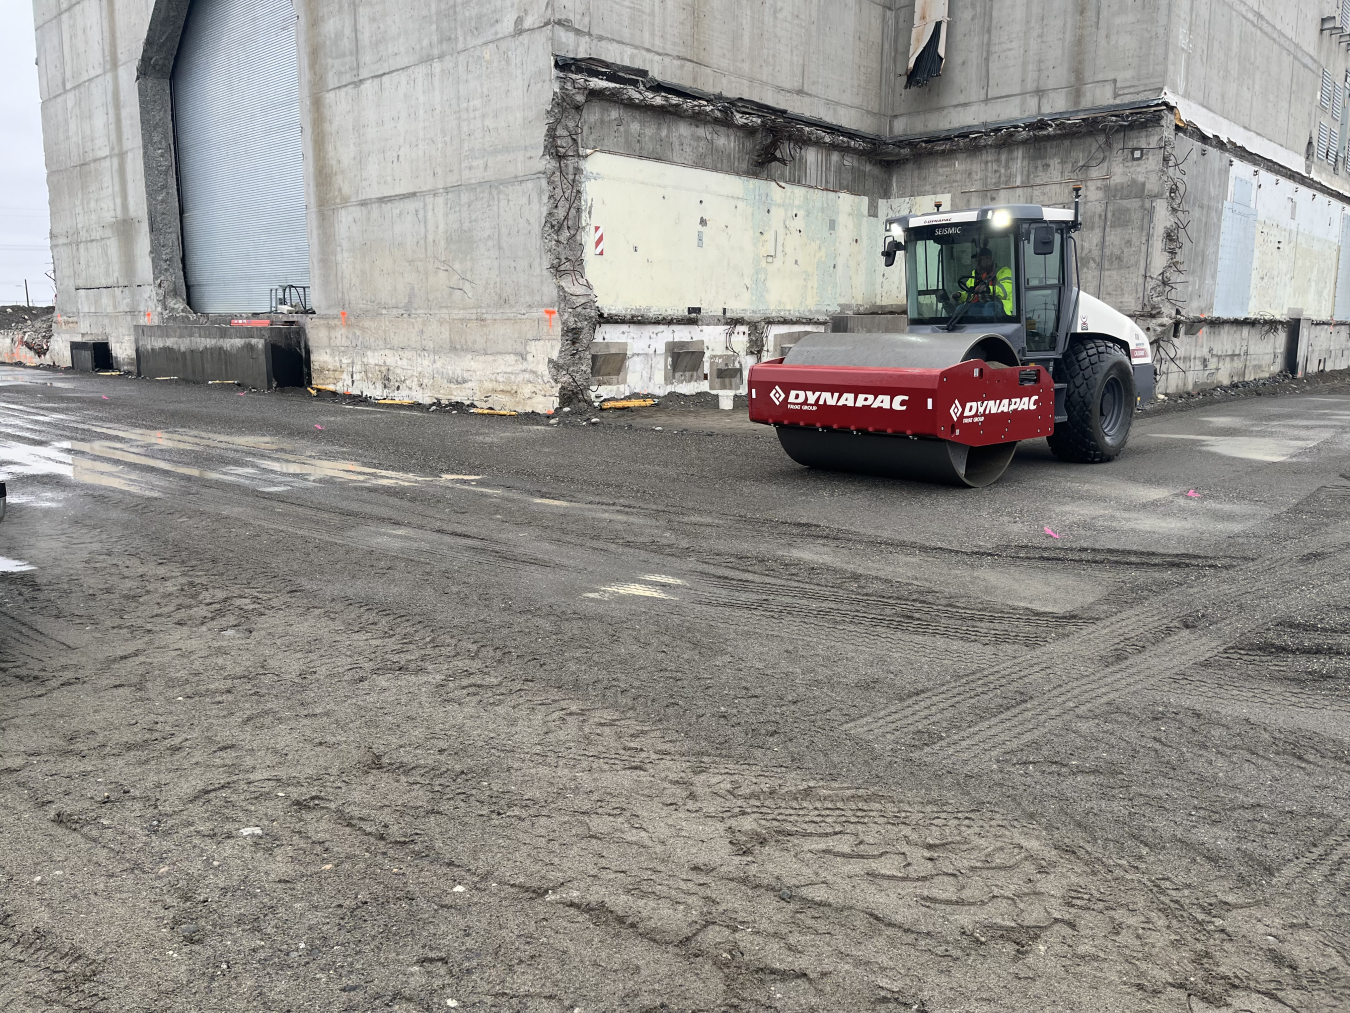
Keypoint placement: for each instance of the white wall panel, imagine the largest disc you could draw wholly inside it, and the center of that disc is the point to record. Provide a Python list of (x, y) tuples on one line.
[(677, 236)]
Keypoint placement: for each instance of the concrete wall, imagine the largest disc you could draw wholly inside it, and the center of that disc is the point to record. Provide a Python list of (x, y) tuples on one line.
[(656, 134), (1018, 58), (726, 349), (1118, 197), (1258, 243), (87, 53), (1258, 65), (1210, 353), (425, 146), (831, 59)]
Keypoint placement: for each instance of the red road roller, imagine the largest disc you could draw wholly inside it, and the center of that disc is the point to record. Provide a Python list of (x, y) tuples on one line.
[(1001, 346)]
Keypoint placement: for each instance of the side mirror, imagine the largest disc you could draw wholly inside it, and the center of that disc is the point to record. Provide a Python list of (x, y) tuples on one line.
[(893, 246), (1043, 240)]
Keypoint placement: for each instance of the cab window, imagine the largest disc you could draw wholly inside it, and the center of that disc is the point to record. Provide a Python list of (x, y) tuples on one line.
[(1044, 287), (960, 269)]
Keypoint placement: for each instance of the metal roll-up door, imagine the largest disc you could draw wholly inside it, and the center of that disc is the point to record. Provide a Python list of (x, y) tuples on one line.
[(236, 97)]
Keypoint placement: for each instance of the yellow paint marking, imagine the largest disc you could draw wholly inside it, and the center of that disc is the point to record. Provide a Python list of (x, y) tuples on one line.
[(641, 402), (390, 400), (490, 411)]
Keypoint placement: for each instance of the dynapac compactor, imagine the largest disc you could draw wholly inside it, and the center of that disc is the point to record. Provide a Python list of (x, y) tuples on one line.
[(1002, 345)]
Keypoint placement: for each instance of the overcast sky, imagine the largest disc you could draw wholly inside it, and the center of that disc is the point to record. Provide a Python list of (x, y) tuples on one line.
[(24, 249)]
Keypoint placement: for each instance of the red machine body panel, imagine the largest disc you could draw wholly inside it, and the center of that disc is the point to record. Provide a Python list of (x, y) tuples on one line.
[(969, 402)]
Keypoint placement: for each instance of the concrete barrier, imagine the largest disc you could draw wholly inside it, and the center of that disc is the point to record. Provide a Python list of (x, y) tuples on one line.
[(1208, 352), (259, 357)]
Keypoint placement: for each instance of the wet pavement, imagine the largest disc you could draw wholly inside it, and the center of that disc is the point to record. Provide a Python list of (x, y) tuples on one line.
[(315, 704)]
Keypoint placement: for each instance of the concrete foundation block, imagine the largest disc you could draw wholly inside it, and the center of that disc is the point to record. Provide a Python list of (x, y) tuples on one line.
[(492, 362), (258, 357)]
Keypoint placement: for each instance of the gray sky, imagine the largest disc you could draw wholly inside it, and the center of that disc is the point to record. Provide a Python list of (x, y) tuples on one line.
[(24, 249)]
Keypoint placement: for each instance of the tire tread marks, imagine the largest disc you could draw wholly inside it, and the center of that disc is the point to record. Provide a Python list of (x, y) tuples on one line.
[(34, 969), (1327, 866), (1138, 646)]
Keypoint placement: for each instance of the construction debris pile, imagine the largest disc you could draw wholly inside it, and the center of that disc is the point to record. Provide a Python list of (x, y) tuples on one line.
[(25, 332)]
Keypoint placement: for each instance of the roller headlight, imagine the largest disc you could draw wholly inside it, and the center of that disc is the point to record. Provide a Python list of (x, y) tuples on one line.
[(1001, 219)]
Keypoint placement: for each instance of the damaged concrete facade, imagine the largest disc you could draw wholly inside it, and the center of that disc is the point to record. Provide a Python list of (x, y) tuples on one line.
[(511, 204)]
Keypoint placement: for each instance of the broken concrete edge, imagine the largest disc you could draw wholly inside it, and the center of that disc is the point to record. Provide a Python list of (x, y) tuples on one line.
[(636, 87), (565, 246), (1279, 385)]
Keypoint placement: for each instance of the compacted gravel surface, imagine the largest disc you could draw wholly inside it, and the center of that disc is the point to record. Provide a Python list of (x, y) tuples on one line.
[(311, 704)]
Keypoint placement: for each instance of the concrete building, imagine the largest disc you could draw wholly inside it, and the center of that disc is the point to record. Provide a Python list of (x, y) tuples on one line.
[(509, 203)]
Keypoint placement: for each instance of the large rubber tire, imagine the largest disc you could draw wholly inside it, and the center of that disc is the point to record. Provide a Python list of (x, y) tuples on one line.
[(1099, 400)]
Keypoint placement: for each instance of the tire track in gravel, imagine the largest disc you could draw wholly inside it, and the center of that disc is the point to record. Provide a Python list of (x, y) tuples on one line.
[(1087, 691), (767, 605), (1079, 669), (585, 736), (1058, 699), (1327, 866), (25, 641), (1274, 696), (829, 608), (32, 968)]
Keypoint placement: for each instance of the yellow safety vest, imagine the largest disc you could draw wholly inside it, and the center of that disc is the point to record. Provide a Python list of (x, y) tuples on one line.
[(1002, 289)]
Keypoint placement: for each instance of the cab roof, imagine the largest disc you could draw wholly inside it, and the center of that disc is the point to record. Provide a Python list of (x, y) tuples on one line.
[(1019, 212)]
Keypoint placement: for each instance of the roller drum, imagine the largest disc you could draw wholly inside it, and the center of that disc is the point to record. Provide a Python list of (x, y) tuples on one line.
[(900, 351), (922, 460)]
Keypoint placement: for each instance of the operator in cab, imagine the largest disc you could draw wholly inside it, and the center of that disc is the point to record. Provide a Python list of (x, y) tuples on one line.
[(988, 285)]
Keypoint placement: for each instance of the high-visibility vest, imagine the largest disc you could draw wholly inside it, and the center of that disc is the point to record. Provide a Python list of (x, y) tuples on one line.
[(1002, 289)]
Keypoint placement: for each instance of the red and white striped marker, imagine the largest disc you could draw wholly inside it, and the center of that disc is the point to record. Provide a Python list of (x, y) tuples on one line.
[(599, 241)]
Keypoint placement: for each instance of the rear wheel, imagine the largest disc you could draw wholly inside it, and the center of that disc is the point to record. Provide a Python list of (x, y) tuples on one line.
[(1099, 401)]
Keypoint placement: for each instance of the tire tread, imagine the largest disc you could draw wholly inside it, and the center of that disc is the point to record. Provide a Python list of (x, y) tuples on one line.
[(1074, 439)]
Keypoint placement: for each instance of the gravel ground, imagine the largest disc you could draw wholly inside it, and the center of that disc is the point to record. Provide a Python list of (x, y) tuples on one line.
[(310, 704)]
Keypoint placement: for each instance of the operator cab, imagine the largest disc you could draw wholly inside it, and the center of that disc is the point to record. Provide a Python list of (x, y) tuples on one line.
[(1006, 269)]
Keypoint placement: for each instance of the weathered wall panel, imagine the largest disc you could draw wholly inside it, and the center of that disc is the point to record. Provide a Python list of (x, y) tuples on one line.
[(428, 185), (676, 237), (1020, 58), (1297, 249), (1258, 65), (825, 58), (1237, 253), (87, 53), (1342, 310)]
